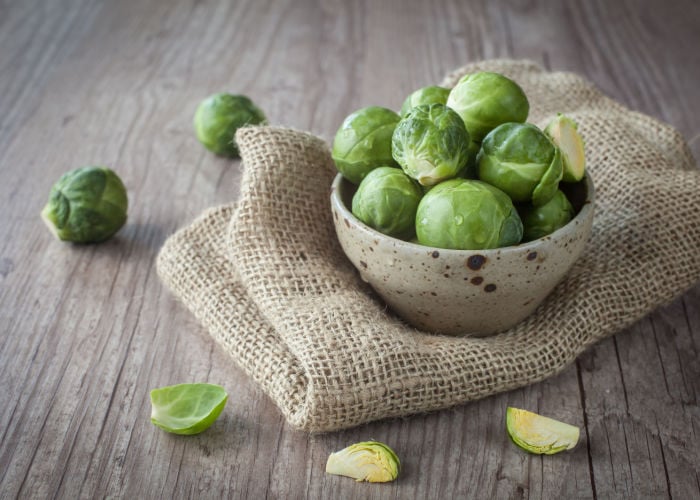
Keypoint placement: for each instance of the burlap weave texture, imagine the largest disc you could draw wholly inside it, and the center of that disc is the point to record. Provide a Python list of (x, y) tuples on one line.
[(268, 279)]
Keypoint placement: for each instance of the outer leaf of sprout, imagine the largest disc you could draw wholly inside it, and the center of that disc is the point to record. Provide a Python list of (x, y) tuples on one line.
[(187, 408)]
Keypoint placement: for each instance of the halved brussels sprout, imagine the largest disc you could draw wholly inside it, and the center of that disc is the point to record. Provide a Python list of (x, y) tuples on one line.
[(363, 142), (431, 144), (485, 100), (563, 132), (545, 219), (540, 435), (467, 215), (387, 200), (520, 160), (425, 95), (219, 116), (86, 205), (370, 461)]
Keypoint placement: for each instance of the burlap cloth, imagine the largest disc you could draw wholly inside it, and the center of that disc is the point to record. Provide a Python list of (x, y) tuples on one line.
[(268, 279)]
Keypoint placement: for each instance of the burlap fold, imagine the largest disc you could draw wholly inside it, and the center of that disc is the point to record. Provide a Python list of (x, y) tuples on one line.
[(268, 279)]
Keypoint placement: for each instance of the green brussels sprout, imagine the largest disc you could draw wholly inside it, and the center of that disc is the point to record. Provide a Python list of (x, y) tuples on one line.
[(543, 220), (86, 205), (563, 132), (520, 160), (431, 144), (387, 200), (467, 215), (219, 116), (363, 142), (426, 95), (484, 100), (369, 461)]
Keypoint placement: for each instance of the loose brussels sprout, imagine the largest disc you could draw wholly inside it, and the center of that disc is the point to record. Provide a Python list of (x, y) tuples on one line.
[(563, 132), (363, 142), (464, 214), (387, 200), (370, 461), (543, 220), (431, 144), (539, 435), (219, 116), (485, 100), (520, 160), (426, 95), (86, 205)]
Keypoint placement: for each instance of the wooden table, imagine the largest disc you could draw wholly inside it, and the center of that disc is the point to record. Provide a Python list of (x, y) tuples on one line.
[(87, 331)]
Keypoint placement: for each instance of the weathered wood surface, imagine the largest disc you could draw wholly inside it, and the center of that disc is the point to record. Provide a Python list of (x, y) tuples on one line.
[(87, 331)]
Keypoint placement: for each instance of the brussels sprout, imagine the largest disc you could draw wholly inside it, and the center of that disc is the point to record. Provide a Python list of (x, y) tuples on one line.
[(520, 160), (485, 100), (467, 215), (187, 408), (367, 461), (387, 200), (540, 435), (426, 95), (431, 144), (363, 142), (543, 220), (563, 132), (86, 205), (219, 116)]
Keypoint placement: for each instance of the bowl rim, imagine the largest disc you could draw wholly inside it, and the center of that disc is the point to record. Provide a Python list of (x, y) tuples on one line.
[(583, 214)]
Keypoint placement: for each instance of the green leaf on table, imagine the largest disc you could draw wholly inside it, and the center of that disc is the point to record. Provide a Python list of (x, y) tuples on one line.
[(187, 408)]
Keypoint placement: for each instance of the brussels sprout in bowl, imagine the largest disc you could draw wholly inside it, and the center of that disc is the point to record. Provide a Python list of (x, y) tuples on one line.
[(520, 160), (426, 95), (458, 292), (387, 200), (431, 144), (485, 100), (363, 142)]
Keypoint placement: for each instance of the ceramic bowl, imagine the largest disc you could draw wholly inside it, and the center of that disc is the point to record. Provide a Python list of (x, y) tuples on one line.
[(458, 292)]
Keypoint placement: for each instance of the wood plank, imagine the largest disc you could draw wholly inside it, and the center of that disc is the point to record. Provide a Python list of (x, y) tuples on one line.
[(623, 378)]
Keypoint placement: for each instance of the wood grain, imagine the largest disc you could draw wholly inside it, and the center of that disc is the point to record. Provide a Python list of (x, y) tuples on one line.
[(87, 331)]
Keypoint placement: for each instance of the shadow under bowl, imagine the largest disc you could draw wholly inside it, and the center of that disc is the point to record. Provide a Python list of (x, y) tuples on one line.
[(459, 292)]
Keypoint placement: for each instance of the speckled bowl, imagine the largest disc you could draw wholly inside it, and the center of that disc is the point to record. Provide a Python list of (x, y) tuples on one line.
[(457, 292)]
